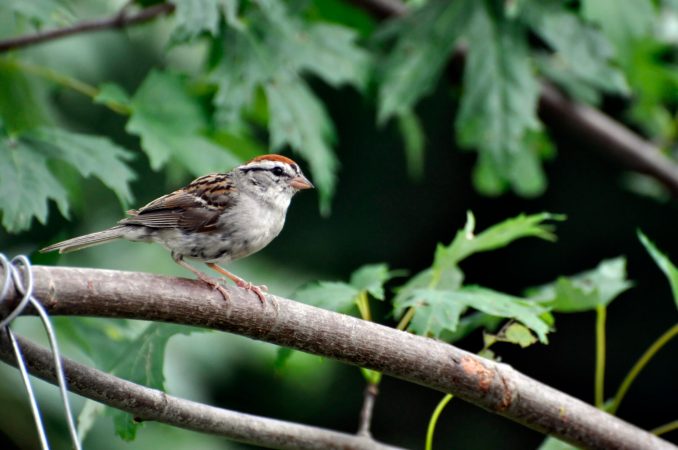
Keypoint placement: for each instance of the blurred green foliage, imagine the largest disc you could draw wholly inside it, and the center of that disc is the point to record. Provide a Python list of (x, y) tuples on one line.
[(94, 123)]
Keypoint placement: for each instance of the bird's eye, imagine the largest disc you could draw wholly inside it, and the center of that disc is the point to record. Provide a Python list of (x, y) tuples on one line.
[(277, 171)]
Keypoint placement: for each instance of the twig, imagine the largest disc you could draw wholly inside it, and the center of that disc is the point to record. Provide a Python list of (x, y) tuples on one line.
[(369, 397), (151, 404), (119, 20), (558, 111), (494, 386)]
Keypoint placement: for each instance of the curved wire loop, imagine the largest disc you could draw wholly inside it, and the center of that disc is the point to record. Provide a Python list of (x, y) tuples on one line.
[(18, 270)]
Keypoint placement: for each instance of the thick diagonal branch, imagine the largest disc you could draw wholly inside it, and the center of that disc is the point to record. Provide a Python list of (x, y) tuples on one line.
[(151, 404), (493, 386)]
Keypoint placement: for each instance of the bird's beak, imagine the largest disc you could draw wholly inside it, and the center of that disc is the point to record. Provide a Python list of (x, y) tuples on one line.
[(301, 182)]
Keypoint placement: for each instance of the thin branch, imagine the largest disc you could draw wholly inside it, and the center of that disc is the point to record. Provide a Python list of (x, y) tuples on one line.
[(151, 404), (558, 111), (119, 20), (493, 386), (369, 398)]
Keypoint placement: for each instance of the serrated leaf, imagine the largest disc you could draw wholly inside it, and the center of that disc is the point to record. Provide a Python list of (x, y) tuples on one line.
[(426, 39), (663, 262), (142, 362), (371, 278), (103, 340), (194, 17), (585, 291), (332, 295), (447, 279), (435, 311), (26, 184), (438, 310), (273, 53), (622, 22), (499, 101), (91, 155), (169, 121), (470, 323), (581, 52), (466, 243), (299, 119), (518, 334)]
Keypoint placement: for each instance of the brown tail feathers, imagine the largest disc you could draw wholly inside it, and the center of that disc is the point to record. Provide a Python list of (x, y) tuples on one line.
[(88, 240)]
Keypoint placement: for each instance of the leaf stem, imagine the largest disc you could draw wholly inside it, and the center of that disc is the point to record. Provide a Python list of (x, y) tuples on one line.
[(405, 321), (663, 429), (640, 365), (434, 420), (69, 82), (601, 314), (364, 306)]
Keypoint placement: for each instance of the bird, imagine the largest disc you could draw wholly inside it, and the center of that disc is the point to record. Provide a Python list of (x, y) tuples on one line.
[(215, 219)]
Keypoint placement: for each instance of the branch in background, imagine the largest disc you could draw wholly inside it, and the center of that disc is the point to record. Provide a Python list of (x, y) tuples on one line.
[(120, 20), (369, 397), (608, 136), (493, 386), (151, 404), (558, 111)]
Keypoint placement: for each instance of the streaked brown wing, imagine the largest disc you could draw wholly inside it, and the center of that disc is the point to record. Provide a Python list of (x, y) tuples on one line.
[(196, 207)]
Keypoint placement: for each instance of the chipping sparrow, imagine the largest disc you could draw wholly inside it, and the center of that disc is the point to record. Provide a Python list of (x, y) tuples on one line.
[(216, 218)]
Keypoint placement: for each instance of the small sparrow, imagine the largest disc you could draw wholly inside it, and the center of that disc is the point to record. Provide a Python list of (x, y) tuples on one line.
[(217, 218)]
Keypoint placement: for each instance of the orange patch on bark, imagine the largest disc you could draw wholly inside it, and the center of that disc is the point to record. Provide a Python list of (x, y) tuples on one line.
[(477, 370)]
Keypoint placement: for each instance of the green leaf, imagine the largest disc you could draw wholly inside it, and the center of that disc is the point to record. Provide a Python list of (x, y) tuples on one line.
[(91, 156), (518, 334), (104, 341), (466, 243), (445, 274), (438, 310), (582, 54), (551, 443), (470, 323), (435, 311), (299, 119), (142, 362), (170, 121), (26, 184), (20, 110), (335, 296), (499, 101), (447, 279), (585, 291), (426, 39), (272, 54), (622, 22), (195, 17), (371, 278), (663, 262)]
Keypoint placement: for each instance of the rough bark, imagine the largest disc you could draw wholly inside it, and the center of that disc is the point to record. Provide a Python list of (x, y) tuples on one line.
[(494, 386)]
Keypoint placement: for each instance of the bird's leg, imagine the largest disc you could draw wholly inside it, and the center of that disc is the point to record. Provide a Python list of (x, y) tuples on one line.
[(240, 282), (201, 276)]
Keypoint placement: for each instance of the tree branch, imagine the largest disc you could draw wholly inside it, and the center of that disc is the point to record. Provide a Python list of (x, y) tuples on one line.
[(494, 386), (558, 111), (120, 20), (151, 404)]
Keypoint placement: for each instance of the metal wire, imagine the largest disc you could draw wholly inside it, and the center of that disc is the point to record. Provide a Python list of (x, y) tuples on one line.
[(19, 269)]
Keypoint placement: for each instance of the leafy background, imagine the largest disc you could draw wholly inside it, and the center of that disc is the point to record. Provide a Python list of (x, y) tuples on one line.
[(401, 145)]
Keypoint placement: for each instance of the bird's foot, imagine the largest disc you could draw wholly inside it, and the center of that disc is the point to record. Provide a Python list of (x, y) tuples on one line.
[(215, 283), (258, 290)]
